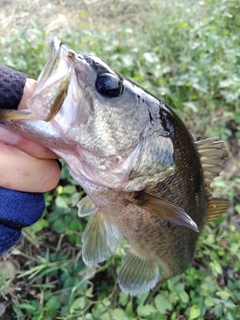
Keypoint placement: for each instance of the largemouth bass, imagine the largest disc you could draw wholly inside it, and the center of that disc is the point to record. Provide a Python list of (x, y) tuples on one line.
[(144, 176)]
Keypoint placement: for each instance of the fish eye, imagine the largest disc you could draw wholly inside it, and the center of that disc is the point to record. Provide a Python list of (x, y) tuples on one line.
[(109, 85)]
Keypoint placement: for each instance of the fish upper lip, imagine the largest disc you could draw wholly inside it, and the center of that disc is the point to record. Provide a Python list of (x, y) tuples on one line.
[(58, 45), (59, 51), (57, 70)]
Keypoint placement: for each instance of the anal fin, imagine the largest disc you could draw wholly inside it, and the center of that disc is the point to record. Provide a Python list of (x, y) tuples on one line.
[(216, 207), (137, 274), (100, 239)]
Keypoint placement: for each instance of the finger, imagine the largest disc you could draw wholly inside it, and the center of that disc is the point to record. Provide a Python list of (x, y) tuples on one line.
[(22, 172), (33, 148), (28, 91)]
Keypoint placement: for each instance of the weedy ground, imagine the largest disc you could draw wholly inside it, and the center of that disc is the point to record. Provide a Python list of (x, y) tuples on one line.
[(187, 54)]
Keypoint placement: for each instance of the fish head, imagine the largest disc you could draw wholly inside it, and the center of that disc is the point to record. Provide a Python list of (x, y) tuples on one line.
[(101, 119), (88, 99)]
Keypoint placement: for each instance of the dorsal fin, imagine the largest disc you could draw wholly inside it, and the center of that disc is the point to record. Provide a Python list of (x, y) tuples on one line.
[(216, 207), (213, 156)]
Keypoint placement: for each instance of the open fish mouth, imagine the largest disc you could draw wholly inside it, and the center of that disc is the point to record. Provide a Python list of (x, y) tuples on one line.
[(53, 82)]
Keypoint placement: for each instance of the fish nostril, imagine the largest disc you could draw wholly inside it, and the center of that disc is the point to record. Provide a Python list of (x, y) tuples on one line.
[(70, 56)]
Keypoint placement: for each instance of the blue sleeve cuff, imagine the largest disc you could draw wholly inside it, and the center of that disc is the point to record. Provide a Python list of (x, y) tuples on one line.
[(17, 210), (8, 237)]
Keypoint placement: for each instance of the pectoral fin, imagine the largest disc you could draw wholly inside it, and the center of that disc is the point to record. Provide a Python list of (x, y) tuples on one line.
[(100, 239), (86, 207), (166, 210), (216, 207), (137, 274)]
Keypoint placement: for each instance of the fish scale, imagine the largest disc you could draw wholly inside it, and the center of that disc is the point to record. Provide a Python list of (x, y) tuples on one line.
[(145, 177)]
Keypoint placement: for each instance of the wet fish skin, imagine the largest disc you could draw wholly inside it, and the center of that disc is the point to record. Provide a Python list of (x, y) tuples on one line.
[(135, 159)]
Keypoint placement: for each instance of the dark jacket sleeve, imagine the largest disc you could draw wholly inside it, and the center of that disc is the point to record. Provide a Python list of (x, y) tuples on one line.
[(11, 87), (17, 209)]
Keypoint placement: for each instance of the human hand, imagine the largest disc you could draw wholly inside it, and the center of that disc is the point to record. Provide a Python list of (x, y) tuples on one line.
[(26, 165)]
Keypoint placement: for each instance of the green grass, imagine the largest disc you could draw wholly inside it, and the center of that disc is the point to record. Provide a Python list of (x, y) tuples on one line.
[(187, 54)]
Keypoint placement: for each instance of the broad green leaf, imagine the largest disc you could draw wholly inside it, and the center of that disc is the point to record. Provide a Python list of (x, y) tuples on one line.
[(119, 314), (79, 303), (89, 293), (39, 225), (194, 312), (69, 189), (98, 310), (237, 208), (59, 225), (53, 303), (218, 310), (61, 203), (160, 303), (123, 298), (209, 302), (231, 315), (184, 296), (105, 316), (223, 294), (145, 310)]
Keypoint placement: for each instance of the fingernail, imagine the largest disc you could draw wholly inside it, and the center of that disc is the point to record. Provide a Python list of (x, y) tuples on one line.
[(8, 136)]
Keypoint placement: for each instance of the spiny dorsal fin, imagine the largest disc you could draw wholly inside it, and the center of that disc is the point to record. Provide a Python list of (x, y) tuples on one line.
[(216, 207), (213, 156)]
